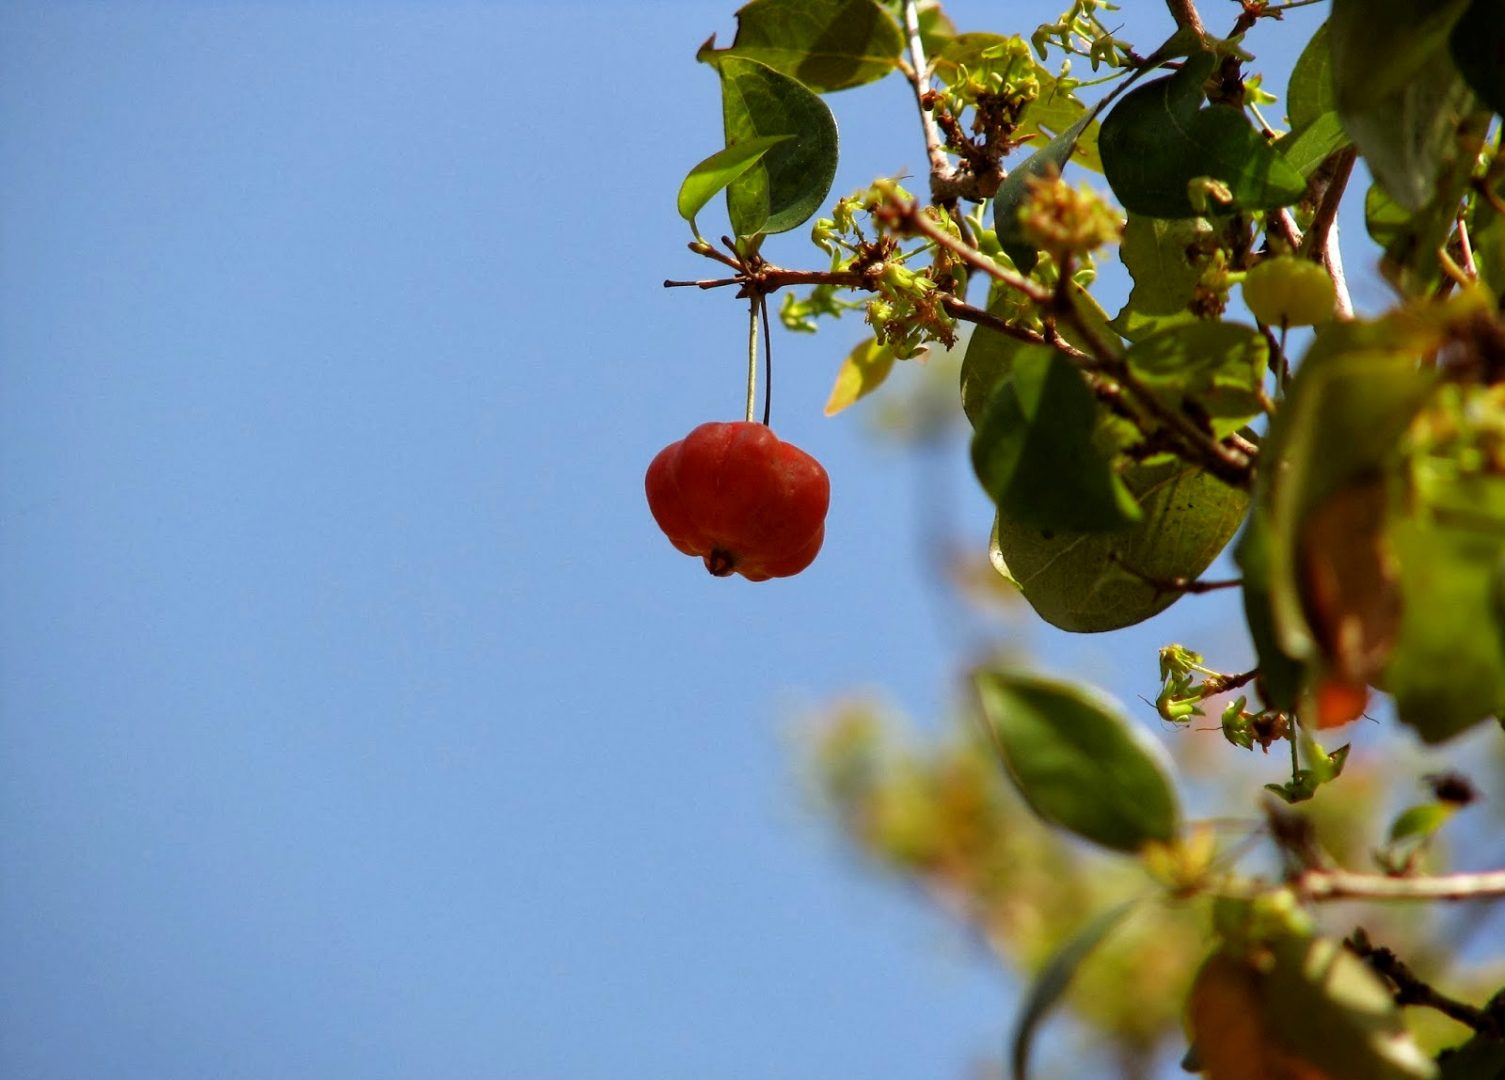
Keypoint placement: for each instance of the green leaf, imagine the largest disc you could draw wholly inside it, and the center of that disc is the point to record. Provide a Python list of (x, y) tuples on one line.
[(1328, 1009), (1411, 240), (1157, 252), (1214, 369), (1447, 667), (1055, 978), (713, 174), (1159, 139), (1300, 1007), (1309, 94), (1091, 582), (1014, 190), (1035, 454), (1307, 147), (1487, 233), (1478, 47), (825, 44), (1479, 1058), (1399, 94), (1421, 821), (1280, 676), (783, 189), (1339, 428), (862, 372), (1078, 763)]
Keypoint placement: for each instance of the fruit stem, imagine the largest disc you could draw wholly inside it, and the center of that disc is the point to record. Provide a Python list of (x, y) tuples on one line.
[(752, 359), (767, 359)]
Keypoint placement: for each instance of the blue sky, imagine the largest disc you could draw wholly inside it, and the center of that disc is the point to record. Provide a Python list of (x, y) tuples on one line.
[(355, 719)]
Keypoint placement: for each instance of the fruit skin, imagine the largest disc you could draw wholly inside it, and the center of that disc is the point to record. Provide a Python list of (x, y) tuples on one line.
[(737, 496)]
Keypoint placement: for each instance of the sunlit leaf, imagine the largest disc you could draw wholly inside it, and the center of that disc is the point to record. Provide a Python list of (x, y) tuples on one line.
[(1397, 89), (1299, 1008), (1159, 138), (1035, 454), (1214, 369), (1332, 1012), (1055, 978), (862, 372), (1447, 668), (1478, 47), (1421, 821), (1078, 762), (1157, 253), (825, 44), (1309, 94), (712, 175), (1307, 147), (1091, 582), (783, 189)]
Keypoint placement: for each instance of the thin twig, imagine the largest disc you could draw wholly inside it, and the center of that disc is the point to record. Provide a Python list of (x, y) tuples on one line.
[(1409, 989), (919, 78), (1231, 464), (1466, 250), (1335, 884), (711, 283), (909, 216)]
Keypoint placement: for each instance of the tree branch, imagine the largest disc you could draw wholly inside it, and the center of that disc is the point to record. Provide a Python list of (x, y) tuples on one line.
[(1321, 240), (1330, 883), (919, 79), (1185, 14), (1409, 989), (909, 217)]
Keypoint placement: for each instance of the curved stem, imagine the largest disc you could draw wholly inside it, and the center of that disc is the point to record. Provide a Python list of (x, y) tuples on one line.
[(767, 360)]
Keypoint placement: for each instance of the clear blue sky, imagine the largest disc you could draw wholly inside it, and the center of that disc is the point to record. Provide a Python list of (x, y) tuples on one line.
[(355, 719)]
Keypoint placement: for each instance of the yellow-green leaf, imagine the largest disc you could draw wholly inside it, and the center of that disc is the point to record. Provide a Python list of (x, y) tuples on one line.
[(862, 372)]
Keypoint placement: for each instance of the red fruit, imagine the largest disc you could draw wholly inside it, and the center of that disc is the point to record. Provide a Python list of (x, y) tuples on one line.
[(744, 501)]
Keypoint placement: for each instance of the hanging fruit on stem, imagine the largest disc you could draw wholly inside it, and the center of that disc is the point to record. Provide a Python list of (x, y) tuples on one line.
[(741, 499)]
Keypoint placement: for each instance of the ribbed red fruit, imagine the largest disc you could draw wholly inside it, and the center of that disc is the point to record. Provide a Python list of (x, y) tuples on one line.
[(741, 499)]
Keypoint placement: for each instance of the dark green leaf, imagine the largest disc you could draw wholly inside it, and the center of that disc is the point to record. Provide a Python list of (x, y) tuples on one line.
[(1078, 763), (1055, 978), (1215, 368), (1478, 46), (990, 355), (1310, 92), (789, 183), (1091, 582), (1487, 234), (1411, 241), (1399, 94), (1159, 138), (1014, 190), (1480, 1058), (825, 44), (1035, 453), (1158, 253), (713, 174)]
